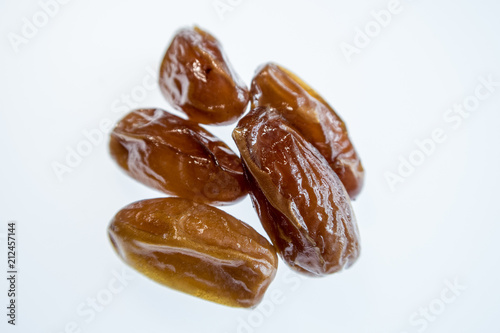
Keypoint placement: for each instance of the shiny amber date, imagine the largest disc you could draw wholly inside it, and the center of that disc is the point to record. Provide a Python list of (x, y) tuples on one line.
[(311, 115), (301, 202), (197, 78), (196, 249), (178, 157)]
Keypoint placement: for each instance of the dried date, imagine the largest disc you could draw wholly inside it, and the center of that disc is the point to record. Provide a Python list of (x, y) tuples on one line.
[(301, 202), (197, 78), (196, 249), (313, 117), (178, 157)]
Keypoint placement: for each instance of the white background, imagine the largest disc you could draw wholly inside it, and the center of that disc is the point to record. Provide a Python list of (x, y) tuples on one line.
[(440, 224)]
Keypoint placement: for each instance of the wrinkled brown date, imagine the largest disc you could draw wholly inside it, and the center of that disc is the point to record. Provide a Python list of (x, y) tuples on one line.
[(311, 115), (301, 202), (178, 157), (197, 78), (196, 249)]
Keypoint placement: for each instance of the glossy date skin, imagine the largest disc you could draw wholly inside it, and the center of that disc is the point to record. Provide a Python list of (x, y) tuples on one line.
[(178, 157), (196, 249), (197, 78), (301, 202), (311, 115)]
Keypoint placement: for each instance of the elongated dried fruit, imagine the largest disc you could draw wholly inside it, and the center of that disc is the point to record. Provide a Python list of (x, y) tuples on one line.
[(301, 202), (178, 157), (311, 115), (196, 249), (197, 78)]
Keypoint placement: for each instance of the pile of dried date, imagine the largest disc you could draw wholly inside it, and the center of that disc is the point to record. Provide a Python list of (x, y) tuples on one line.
[(297, 163)]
